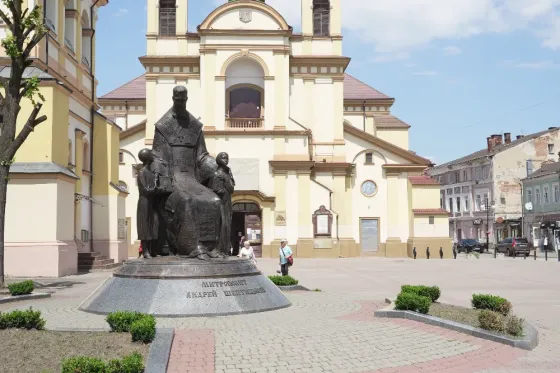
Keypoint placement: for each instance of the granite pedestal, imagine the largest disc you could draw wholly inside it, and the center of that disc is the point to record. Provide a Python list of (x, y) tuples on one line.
[(180, 287)]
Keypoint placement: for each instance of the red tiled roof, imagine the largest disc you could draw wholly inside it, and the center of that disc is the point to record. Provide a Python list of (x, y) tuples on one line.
[(430, 212), (388, 121), (133, 90), (353, 90), (422, 180)]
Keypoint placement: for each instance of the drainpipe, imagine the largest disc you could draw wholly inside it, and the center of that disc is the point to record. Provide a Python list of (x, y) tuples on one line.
[(364, 111), (522, 210), (48, 36), (92, 75)]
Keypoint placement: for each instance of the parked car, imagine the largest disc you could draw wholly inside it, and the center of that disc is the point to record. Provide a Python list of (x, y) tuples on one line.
[(468, 245), (513, 246)]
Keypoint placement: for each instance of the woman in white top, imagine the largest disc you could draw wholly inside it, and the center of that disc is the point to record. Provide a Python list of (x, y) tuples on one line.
[(246, 252)]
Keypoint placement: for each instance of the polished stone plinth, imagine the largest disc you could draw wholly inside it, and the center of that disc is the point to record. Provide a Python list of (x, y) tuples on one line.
[(179, 287)]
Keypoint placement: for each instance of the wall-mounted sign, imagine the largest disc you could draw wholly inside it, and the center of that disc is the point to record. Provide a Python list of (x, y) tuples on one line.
[(279, 218), (322, 222), (477, 222)]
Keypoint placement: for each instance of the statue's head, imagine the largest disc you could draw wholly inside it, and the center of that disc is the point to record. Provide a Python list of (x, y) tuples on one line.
[(180, 97), (222, 159), (146, 156)]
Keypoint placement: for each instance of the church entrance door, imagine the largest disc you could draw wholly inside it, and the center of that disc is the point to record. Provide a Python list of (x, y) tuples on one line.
[(247, 221)]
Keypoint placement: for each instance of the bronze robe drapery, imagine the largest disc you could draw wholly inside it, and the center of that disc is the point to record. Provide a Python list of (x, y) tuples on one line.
[(192, 211)]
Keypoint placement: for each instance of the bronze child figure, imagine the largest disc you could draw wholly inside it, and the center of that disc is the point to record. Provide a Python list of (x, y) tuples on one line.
[(147, 213), (223, 185)]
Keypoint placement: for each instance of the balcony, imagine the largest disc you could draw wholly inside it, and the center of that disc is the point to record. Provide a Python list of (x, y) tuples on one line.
[(244, 123)]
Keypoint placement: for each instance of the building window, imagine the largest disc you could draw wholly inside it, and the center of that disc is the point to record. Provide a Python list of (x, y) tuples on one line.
[(86, 40), (478, 173), (369, 158), (85, 166), (167, 17), (537, 195), (450, 204), (85, 235), (121, 156), (529, 194), (457, 190), (503, 200), (69, 27), (467, 207), (486, 202), (321, 17), (70, 155), (431, 220), (465, 189), (546, 195), (550, 148), (245, 105), (51, 14), (556, 193), (458, 204), (441, 202), (478, 203), (449, 191), (465, 175), (486, 172)]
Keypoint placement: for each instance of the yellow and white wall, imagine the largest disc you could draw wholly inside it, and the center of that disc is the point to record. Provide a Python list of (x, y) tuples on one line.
[(310, 150)]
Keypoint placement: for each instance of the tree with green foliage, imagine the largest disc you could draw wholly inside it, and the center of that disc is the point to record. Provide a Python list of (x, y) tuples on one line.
[(25, 29)]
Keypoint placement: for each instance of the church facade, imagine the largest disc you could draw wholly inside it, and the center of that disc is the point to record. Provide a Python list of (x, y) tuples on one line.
[(317, 156)]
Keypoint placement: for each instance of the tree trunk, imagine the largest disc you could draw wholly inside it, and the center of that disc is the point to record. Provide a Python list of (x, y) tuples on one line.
[(4, 172)]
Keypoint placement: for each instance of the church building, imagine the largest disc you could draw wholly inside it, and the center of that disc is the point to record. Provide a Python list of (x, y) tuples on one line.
[(317, 156)]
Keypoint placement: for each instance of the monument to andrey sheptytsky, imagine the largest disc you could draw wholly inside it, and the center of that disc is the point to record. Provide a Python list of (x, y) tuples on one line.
[(185, 194), (184, 209)]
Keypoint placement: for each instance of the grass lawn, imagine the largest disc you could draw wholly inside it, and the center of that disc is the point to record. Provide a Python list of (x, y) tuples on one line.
[(467, 316), (32, 351)]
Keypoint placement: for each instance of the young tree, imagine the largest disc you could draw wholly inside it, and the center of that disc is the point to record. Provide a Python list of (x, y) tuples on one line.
[(25, 30)]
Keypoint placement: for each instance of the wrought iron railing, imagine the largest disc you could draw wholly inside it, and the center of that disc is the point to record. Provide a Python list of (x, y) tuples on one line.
[(244, 123)]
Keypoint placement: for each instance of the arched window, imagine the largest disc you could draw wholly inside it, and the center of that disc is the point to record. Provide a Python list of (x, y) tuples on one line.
[(167, 17), (321, 17), (70, 24), (51, 15), (245, 102), (86, 40), (85, 158)]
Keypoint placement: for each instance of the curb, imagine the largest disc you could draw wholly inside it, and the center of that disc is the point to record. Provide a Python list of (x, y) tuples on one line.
[(17, 298), (160, 350), (528, 342), (293, 288)]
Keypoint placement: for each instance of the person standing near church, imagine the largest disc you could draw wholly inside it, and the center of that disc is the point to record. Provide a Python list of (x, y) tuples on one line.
[(286, 257)]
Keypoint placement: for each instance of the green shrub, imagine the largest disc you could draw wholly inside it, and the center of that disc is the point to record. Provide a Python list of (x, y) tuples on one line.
[(283, 280), (492, 303), (514, 326), (431, 292), (121, 321), (491, 320), (133, 363), (83, 364), (412, 302), (143, 330), (27, 319), (21, 288)]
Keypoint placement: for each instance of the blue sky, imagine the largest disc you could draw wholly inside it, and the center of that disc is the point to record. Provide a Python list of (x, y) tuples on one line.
[(460, 70)]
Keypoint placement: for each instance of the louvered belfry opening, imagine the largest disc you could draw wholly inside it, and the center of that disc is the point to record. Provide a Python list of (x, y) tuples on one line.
[(321, 17), (167, 17)]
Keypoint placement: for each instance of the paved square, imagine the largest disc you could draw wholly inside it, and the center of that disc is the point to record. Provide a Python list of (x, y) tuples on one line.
[(334, 330)]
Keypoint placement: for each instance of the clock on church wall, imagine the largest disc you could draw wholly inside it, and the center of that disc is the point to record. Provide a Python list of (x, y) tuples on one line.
[(369, 188)]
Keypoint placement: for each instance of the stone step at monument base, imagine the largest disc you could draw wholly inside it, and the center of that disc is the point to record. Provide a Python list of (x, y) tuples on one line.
[(179, 287), (94, 262)]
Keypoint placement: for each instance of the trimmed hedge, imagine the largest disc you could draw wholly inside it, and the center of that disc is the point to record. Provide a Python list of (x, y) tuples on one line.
[(491, 320), (412, 302), (492, 303), (27, 319), (283, 280), (431, 292), (514, 326), (133, 363), (121, 321), (141, 326), (143, 330), (21, 288)]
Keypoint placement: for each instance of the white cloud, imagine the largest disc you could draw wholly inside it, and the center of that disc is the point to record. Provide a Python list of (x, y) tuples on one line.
[(120, 12), (546, 64), (402, 25), (425, 73), (452, 50)]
